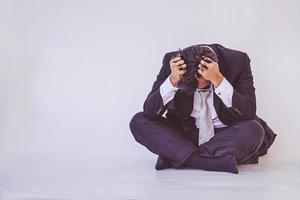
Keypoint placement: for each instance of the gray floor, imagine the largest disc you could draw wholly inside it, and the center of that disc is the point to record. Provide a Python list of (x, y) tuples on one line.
[(59, 177)]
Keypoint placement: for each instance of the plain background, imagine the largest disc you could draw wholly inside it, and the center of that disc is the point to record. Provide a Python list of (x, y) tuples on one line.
[(73, 73)]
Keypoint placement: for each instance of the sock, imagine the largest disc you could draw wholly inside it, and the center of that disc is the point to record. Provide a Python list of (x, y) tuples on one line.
[(225, 163)]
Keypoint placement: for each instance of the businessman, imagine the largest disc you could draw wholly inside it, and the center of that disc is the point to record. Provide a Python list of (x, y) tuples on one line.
[(211, 122)]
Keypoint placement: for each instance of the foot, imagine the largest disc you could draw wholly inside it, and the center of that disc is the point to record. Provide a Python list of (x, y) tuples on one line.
[(162, 163), (232, 164)]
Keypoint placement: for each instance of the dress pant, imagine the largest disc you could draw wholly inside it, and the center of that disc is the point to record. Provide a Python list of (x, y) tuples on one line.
[(240, 139)]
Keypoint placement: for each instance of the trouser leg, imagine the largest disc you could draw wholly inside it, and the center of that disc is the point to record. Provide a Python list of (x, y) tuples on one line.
[(162, 139), (241, 139)]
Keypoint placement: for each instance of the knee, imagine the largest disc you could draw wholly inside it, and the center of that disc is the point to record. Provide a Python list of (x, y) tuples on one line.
[(256, 129), (136, 120), (136, 123)]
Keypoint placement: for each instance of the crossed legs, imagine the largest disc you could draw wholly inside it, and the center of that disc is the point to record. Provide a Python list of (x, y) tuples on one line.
[(240, 141)]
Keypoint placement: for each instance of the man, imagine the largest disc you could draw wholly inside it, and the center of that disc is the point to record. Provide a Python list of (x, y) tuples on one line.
[(214, 127)]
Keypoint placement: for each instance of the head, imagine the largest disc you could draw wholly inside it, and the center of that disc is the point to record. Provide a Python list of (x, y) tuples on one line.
[(192, 56)]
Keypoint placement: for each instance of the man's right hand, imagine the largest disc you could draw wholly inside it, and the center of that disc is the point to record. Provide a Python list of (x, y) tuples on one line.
[(178, 68)]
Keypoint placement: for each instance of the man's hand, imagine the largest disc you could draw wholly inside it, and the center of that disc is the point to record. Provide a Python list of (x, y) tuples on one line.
[(177, 66), (209, 70)]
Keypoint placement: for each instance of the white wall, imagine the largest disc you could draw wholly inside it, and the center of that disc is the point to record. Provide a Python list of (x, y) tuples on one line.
[(72, 73)]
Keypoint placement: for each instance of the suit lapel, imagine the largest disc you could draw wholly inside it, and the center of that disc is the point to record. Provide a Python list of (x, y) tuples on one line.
[(184, 103), (217, 102)]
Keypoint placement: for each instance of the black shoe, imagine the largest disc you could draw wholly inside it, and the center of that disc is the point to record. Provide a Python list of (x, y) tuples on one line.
[(162, 163), (233, 164)]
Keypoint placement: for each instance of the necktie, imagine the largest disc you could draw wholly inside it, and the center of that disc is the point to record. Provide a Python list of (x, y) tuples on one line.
[(206, 129)]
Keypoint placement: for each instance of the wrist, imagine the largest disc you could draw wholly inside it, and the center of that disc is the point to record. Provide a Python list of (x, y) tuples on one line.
[(218, 80), (173, 81)]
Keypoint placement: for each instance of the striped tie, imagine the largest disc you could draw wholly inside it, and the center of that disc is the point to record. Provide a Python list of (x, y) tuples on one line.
[(206, 129)]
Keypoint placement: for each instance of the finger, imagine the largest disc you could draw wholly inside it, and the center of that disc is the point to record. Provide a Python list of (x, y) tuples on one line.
[(200, 72), (182, 66), (175, 59), (180, 62), (204, 63), (181, 72), (175, 65), (202, 67), (207, 59)]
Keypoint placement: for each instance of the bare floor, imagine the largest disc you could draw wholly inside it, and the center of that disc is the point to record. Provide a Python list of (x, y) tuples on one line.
[(59, 178)]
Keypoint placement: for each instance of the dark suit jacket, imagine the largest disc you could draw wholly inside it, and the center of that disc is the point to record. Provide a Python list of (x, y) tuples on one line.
[(235, 67)]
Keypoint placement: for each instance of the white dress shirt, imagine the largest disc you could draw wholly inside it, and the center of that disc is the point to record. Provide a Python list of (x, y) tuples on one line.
[(224, 91)]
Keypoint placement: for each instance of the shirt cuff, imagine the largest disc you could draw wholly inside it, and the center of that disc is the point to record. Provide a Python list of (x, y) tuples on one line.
[(167, 91), (225, 92)]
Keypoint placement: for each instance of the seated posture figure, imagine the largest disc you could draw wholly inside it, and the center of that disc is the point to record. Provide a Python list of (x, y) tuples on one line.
[(211, 122)]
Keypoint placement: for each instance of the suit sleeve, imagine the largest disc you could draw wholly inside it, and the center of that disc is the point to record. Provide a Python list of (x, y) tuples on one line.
[(167, 91), (225, 92), (154, 105), (243, 98)]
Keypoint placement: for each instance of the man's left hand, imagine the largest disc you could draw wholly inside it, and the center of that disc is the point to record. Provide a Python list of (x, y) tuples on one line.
[(209, 70)]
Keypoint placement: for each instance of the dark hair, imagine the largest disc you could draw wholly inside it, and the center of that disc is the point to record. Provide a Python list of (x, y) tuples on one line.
[(192, 56)]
